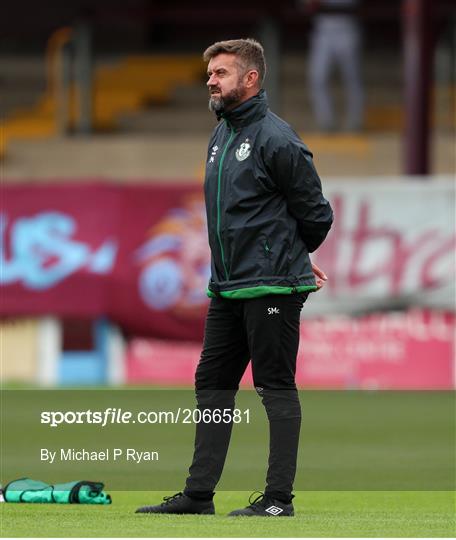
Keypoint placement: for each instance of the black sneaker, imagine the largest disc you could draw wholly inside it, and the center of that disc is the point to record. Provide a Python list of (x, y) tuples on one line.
[(179, 504), (264, 506)]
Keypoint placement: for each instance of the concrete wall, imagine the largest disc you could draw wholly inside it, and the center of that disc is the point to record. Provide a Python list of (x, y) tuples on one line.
[(18, 350)]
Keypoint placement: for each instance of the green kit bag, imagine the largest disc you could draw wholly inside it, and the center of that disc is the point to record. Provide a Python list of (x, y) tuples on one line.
[(26, 490)]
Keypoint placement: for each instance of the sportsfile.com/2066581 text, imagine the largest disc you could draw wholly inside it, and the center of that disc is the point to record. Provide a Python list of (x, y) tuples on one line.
[(112, 415)]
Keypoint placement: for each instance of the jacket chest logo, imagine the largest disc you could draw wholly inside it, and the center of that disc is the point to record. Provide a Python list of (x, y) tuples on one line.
[(243, 152)]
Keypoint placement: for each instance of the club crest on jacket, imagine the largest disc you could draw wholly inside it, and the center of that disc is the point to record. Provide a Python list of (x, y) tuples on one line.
[(243, 152)]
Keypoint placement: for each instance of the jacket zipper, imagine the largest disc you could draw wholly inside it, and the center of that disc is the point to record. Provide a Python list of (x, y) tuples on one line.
[(222, 159)]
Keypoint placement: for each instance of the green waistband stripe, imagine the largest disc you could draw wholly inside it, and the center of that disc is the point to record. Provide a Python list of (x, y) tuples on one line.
[(261, 290)]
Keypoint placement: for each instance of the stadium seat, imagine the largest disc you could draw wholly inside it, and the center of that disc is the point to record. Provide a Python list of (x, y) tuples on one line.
[(129, 85)]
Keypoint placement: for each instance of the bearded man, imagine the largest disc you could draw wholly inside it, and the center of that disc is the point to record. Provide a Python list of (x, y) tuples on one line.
[(265, 214)]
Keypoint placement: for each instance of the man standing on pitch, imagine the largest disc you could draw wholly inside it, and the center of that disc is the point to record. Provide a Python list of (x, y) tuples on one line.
[(265, 214)]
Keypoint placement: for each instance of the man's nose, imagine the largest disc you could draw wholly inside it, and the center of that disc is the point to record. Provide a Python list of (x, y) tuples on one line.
[(210, 82)]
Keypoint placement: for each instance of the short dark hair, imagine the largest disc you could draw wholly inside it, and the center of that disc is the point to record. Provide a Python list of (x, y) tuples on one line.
[(249, 51)]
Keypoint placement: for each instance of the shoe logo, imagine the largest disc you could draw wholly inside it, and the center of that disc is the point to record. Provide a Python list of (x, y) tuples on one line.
[(273, 310), (274, 510)]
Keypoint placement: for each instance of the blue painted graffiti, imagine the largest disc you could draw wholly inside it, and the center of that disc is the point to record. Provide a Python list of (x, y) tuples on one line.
[(43, 252)]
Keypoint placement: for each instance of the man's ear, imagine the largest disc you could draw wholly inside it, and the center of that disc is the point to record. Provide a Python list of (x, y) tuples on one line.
[(252, 78)]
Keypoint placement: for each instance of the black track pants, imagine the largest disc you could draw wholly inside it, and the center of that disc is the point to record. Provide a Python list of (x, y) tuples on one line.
[(265, 330)]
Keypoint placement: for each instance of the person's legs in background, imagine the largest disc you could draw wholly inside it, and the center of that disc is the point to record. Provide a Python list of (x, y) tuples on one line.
[(348, 58), (320, 62)]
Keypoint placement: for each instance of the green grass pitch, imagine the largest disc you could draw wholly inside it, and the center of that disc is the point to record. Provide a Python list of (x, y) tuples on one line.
[(318, 514), (378, 464)]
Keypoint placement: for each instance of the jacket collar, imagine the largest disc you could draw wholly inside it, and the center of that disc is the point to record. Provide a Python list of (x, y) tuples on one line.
[(247, 112)]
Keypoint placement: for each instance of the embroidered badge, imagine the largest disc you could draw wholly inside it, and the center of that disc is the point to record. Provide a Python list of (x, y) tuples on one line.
[(243, 152)]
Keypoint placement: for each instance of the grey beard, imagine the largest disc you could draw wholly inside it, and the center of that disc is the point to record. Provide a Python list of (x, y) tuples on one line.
[(218, 105)]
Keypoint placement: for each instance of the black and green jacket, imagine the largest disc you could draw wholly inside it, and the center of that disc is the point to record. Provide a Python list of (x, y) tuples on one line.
[(264, 204)]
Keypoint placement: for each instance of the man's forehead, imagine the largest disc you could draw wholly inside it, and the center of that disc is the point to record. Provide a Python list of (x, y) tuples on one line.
[(222, 60)]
